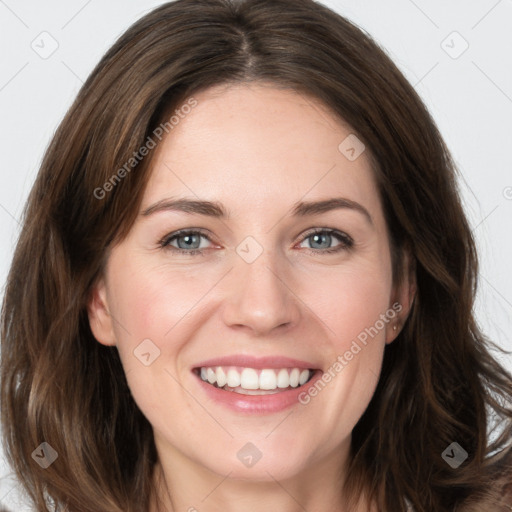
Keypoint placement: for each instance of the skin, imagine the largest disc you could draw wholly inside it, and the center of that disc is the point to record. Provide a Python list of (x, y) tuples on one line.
[(257, 150)]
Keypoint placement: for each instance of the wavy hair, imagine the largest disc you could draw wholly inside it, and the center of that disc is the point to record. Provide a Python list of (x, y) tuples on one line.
[(440, 382)]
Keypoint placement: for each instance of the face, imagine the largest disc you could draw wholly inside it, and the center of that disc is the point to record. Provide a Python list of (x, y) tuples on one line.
[(252, 327)]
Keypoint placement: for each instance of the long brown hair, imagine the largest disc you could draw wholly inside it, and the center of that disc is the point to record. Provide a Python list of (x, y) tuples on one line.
[(439, 381)]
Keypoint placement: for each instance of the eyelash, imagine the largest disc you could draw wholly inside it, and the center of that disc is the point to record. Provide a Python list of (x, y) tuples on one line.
[(345, 240)]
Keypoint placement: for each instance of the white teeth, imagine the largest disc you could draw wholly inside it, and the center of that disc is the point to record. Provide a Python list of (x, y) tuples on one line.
[(233, 378), (294, 377), (221, 377), (304, 376), (211, 376), (283, 379), (268, 379), (251, 379)]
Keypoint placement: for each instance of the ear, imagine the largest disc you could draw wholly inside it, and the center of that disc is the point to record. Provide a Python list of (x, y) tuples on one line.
[(99, 316), (402, 296)]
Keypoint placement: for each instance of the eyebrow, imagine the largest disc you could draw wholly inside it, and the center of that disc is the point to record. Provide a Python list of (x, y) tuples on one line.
[(215, 209)]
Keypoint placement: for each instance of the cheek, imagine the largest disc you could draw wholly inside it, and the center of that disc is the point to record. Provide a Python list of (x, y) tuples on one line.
[(151, 300), (349, 301), (157, 310), (154, 308), (355, 306)]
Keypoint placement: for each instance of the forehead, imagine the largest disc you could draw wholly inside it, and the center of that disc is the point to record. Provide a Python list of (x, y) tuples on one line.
[(256, 146)]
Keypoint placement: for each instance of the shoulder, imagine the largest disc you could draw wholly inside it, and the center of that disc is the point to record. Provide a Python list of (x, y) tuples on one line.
[(498, 497)]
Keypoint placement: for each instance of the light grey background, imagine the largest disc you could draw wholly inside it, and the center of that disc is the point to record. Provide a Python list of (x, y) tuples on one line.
[(468, 90)]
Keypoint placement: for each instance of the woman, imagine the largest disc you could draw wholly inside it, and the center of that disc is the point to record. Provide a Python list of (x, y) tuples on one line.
[(245, 281)]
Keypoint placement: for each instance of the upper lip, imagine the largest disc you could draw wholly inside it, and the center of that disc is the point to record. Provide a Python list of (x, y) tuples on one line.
[(247, 361)]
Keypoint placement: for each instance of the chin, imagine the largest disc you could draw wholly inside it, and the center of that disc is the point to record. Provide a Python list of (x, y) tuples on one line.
[(264, 464)]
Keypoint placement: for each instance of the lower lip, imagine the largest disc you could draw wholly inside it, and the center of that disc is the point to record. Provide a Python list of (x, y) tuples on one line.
[(257, 404)]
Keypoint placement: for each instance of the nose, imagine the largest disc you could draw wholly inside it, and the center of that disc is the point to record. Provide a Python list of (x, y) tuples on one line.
[(259, 296)]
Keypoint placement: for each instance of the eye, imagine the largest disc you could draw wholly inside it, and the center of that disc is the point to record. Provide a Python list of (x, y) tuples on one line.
[(321, 240), (185, 241), (194, 241)]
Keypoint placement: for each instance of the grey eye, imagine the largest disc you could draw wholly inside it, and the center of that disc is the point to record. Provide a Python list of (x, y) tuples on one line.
[(320, 240), (188, 241)]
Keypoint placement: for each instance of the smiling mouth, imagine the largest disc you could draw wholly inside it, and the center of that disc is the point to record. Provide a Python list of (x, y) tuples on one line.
[(252, 381)]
